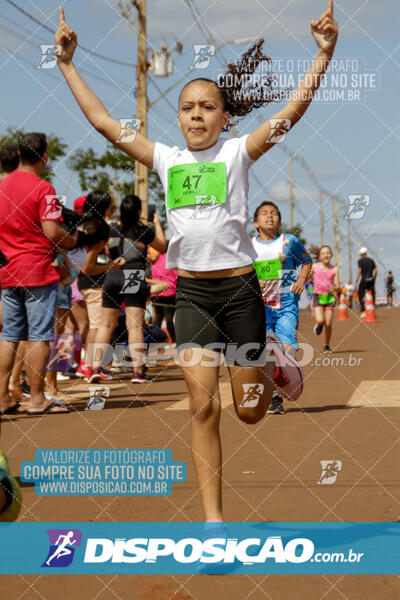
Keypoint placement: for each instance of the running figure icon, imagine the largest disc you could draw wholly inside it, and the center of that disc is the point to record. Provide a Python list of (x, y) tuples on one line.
[(62, 549), (330, 470)]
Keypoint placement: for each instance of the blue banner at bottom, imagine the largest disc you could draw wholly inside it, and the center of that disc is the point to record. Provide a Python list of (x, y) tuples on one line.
[(176, 548)]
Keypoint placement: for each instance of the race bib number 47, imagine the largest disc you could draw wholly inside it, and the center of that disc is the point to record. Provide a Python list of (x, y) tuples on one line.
[(196, 183)]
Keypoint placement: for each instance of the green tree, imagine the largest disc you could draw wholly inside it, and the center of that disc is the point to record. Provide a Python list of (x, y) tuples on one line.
[(55, 148), (114, 172), (297, 230)]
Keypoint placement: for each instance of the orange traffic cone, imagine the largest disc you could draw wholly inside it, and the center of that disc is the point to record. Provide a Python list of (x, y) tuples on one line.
[(370, 316), (343, 314)]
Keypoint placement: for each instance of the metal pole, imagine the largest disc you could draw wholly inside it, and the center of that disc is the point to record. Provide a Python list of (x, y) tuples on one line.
[(291, 191), (321, 219), (141, 101), (349, 247), (336, 238)]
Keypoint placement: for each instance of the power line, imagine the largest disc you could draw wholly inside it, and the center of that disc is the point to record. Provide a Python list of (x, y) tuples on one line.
[(87, 50), (340, 200), (159, 90), (196, 19), (209, 34), (47, 71), (15, 23), (83, 69)]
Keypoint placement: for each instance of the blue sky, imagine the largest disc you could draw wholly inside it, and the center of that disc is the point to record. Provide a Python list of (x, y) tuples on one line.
[(352, 147)]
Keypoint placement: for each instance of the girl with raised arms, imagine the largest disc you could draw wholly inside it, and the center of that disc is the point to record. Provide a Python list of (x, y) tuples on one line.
[(218, 299)]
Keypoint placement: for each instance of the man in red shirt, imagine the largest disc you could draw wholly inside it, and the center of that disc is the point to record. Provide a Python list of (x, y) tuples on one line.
[(9, 160), (29, 231)]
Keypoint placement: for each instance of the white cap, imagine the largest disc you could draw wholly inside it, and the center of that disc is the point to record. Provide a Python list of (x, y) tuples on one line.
[(363, 250)]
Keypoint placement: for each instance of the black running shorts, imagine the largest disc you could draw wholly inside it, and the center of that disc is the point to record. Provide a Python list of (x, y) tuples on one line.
[(225, 314), (126, 286)]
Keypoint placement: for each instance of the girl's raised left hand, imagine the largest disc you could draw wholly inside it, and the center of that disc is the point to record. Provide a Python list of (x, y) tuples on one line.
[(65, 39), (325, 30)]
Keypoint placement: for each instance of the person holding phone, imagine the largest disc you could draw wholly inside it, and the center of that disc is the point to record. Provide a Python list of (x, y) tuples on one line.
[(127, 285)]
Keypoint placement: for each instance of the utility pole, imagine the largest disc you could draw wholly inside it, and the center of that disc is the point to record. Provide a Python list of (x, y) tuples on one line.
[(291, 190), (336, 238), (141, 171), (321, 220), (349, 247)]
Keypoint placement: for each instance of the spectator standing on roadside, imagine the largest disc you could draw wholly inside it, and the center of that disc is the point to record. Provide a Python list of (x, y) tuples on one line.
[(9, 160), (367, 274), (91, 277), (389, 282), (128, 285), (164, 303), (29, 227)]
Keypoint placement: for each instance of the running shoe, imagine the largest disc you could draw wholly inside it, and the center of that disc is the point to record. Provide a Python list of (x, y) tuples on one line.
[(71, 371), (140, 378), (81, 370), (119, 367), (63, 377), (97, 374), (11, 510), (206, 566), (288, 375), (363, 314), (318, 329), (105, 374), (327, 348), (276, 406)]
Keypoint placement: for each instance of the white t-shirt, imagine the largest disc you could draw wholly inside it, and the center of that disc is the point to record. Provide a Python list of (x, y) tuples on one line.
[(268, 250), (210, 237)]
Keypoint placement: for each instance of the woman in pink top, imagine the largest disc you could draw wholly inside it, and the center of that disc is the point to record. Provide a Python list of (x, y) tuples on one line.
[(326, 282), (164, 303)]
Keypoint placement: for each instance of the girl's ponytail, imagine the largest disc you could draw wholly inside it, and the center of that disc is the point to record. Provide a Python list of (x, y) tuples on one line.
[(241, 90)]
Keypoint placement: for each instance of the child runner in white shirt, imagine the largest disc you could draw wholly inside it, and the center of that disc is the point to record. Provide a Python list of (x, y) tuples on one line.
[(278, 258), (218, 301)]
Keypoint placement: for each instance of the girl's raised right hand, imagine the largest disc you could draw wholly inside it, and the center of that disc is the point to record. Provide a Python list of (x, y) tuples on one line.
[(66, 39)]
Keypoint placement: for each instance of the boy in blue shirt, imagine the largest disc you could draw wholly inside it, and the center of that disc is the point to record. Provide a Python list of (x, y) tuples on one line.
[(279, 258)]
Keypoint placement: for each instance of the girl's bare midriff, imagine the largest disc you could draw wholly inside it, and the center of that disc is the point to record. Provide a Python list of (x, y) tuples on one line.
[(216, 274)]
